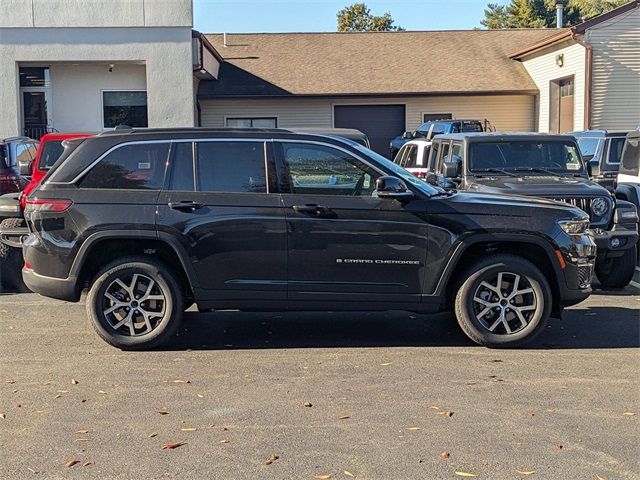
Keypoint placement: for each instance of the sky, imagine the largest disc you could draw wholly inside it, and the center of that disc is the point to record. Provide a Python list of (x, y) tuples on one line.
[(216, 16)]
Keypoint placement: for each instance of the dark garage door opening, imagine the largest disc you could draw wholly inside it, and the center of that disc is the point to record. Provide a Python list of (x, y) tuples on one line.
[(380, 123)]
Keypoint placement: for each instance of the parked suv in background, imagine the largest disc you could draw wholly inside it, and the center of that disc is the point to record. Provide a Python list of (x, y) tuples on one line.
[(602, 150), (546, 166), (13, 152), (151, 221), (413, 156), (12, 225), (437, 127)]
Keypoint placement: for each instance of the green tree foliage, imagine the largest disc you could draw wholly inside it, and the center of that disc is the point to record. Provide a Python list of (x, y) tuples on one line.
[(542, 13), (358, 18)]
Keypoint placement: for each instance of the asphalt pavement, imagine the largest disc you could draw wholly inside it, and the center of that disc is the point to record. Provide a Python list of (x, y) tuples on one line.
[(303, 396)]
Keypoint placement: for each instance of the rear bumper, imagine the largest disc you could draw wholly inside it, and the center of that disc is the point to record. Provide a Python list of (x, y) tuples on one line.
[(13, 236), (60, 288)]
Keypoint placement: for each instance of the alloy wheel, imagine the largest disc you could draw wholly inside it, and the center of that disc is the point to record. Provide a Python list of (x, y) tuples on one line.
[(505, 303), (134, 304)]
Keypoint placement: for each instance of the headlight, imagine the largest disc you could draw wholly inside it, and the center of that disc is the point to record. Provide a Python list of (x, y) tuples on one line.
[(574, 227), (599, 207)]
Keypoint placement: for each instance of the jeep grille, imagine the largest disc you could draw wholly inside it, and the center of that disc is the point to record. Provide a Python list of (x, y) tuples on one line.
[(584, 204)]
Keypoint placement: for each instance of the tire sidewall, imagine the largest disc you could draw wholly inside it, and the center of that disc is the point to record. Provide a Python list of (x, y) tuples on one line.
[(487, 270), (169, 322)]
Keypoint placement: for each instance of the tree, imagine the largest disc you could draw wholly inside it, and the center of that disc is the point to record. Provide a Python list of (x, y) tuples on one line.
[(358, 18), (542, 13)]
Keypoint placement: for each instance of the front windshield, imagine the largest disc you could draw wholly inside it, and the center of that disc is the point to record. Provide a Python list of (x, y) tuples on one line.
[(588, 146), (399, 171), (541, 156), (439, 128)]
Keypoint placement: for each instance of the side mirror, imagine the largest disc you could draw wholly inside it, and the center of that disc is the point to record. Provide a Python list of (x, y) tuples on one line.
[(432, 179), (24, 168), (392, 187), (407, 135), (451, 169), (593, 168), (445, 182)]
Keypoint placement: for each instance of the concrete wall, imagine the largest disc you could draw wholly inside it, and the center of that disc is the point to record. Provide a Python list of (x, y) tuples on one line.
[(543, 69), (156, 33), (615, 103), (505, 112), (77, 104)]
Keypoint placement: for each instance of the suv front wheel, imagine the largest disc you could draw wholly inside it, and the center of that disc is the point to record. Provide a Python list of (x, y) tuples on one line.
[(135, 303), (504, 300)]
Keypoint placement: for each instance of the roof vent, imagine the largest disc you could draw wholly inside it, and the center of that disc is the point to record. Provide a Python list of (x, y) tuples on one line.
[(224, 39), (559, 15)]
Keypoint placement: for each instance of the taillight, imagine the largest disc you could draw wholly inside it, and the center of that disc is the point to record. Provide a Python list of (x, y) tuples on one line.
[(27, 266), (44, 205), (422, 175)]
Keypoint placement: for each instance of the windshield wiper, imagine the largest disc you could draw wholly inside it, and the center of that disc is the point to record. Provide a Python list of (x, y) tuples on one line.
[(494, 170), (537, 170)]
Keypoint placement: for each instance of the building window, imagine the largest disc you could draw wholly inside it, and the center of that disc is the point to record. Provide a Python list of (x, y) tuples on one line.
[(428, 117), (124, 108), (248, 122)]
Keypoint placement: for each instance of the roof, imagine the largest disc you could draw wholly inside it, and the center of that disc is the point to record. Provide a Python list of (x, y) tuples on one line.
[(567, 33), (488, 136), (371, 63)]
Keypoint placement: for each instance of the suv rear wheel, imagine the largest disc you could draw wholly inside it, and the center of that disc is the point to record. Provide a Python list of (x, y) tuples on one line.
[(504, 300), (135, 303)]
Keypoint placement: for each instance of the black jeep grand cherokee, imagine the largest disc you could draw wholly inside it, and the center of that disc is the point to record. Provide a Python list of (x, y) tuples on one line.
[(154, 220)]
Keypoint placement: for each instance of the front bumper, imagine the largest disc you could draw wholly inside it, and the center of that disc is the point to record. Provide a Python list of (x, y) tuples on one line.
[(613, 243), (577, 265)]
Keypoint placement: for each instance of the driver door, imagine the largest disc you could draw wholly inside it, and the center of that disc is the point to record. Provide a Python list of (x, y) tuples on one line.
[(343, 242)]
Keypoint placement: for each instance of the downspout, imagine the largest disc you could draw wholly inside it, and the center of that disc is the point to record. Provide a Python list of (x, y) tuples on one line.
[(588, 59)]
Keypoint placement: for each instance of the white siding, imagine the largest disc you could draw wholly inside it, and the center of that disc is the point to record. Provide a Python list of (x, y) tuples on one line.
[(542, 68), (505, 112), (616, 72)]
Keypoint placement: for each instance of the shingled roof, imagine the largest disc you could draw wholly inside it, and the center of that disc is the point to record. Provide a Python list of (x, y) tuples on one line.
[(373, 63)]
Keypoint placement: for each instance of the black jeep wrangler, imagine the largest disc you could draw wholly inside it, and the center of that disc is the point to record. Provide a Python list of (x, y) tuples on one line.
[(541, 165), (151, 221)]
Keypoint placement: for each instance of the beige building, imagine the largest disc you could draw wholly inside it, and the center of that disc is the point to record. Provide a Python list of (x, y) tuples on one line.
[(588, 76)]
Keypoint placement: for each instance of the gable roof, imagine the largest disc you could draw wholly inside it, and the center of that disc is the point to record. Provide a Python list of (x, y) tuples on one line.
[(371, 63)]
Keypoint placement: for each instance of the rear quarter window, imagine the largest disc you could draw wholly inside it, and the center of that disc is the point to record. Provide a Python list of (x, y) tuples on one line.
[(135, 166)]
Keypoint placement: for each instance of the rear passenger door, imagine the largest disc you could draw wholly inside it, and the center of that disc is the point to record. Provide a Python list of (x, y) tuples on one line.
[(219, 204)]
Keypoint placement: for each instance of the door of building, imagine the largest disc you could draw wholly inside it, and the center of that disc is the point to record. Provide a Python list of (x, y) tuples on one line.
[(566, 105), (35, 100)]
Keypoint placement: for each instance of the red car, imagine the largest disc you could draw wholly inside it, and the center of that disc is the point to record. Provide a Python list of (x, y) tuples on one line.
[(12, 225)]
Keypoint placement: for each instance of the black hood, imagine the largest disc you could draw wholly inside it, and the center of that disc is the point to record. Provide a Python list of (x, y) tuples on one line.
[(538, 186)]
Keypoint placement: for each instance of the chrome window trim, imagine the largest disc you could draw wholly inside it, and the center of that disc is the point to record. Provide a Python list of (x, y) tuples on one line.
[(138, 142)]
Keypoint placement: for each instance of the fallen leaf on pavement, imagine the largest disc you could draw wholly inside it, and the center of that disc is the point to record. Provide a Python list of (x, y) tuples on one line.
[(87, 463), (2, 415), (81, 440), (82, 431), (526, 472), (151, 435), (559, 446), (308, 404), (445, 455), (272, 458), (471, 382), (433, 407), (188, 429), (102, 392), (386, 364), (465, 474), (224, 440), (629, 414), (181, 381), (171, 446), (199, 395), (349, 474), (343, 417), (71, 463), (448, 413), (414, 429), (163, 411), (11, 380), (62, 391), (74, 381), (598, 477), (322, 477)]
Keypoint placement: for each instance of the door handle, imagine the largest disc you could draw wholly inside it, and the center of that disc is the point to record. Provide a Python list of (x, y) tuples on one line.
[(312, 209), (186, 205)]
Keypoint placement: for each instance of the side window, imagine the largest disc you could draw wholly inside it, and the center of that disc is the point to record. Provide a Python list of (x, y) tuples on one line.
[(399, 158), (22, 154), (319, 170), (412, 157), (33, 150), (444, 155), (456, 151), (234, 167), (182, 178), (433, 157), (137, 166)]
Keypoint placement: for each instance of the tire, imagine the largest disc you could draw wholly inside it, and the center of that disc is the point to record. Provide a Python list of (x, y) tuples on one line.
[(617, 272), (12, 261), (111, 309), (487, 317)]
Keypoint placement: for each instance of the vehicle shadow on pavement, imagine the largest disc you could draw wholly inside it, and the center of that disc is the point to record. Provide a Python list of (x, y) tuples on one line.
[(586, 328)]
